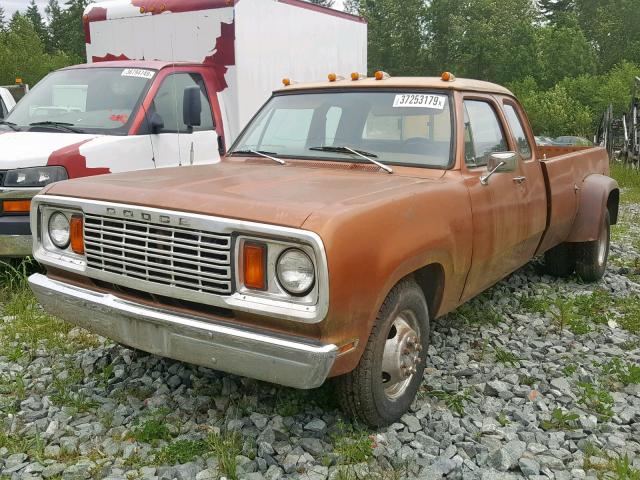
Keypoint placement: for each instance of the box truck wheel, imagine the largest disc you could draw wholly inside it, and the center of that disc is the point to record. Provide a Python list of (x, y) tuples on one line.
[(385, 382), (591, 257)]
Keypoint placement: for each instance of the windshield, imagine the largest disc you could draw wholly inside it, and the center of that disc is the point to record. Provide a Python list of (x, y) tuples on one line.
[(396, 128), (91, 100)]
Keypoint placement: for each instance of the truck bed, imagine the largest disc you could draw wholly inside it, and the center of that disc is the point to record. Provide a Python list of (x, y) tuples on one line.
[(565, 169)]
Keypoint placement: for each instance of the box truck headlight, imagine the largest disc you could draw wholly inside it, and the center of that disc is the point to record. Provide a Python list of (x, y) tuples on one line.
[(34, 177), (59, 230), (295, 271)]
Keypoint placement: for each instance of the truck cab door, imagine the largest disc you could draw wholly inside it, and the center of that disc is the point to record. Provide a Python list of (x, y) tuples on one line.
[(175, 142), (499, 210)]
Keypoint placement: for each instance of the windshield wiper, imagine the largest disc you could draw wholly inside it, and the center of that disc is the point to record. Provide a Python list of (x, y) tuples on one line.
[(261, 153), (11, 125), (360, 153), (68, 127)]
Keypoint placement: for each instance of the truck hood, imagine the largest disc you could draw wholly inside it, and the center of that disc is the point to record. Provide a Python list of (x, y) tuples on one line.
[(33, 149), (256, 191)]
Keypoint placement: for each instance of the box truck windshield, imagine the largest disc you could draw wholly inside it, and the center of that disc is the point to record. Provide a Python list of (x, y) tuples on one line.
[(87, 100)]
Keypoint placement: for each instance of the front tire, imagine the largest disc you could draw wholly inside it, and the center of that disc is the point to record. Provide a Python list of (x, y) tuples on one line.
[(385, 382), (591, 257)]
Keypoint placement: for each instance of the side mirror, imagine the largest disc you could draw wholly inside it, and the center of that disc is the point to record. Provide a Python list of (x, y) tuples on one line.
[(498, 163), (156, 123), (192, 107), (503, 162)]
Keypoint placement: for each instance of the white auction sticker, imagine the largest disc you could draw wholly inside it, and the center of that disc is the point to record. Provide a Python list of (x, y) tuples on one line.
[(420, 100), (138, 72)]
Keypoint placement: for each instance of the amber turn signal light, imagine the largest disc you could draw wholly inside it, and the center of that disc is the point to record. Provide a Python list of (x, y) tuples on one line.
[(76, 226), (17, 206), (448, 77), (254, 262), (380, 75)]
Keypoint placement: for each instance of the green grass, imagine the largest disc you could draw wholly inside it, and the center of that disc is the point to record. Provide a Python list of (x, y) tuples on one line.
[(629, 181), (454, 401), (181, 451), (151, 430), (31, 328), (477, 312), (623, 372), (560, 421), (597, 400), (352, 444), (505, 357)]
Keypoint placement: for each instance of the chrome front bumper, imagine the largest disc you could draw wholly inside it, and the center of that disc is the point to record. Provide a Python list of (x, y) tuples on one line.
[(15, 246), (277, 359)]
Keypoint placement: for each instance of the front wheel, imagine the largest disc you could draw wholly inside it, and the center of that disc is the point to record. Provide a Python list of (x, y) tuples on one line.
[(385, 382), (591, 257)]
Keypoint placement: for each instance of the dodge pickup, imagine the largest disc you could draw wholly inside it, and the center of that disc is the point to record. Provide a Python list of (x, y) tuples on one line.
[(346, 217)]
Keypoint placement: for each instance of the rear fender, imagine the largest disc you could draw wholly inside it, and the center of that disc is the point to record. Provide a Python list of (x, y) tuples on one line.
[(597, 194)]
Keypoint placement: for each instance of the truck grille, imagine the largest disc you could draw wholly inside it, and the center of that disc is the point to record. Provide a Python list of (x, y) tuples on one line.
[(179, 257)]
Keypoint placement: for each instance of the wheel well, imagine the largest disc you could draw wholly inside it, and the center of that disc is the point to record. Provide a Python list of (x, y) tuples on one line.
[(612, 205), (431, 280)]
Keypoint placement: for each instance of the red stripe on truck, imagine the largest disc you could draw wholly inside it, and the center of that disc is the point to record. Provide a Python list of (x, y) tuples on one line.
[(225, 54), (109, 57), (76, 164)]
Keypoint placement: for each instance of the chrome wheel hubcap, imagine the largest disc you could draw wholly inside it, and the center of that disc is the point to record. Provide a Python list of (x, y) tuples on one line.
[(401, 355)]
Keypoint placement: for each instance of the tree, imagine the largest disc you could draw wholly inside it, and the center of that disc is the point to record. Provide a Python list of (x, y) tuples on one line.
[(3, 22), (323, 3), (397, 32), (22, 54), (33, 15), (563, 51), (56, 24), (482, 39), (556, 10)]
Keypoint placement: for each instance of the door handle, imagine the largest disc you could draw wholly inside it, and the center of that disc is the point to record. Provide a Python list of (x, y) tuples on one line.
[(520, 180)]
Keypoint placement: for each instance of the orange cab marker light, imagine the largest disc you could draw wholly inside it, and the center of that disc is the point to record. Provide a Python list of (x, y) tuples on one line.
[(254, 262), (77, 234), (380, 75), (448, 77), (332, 77), (286, 82), (142, 10), (355, 76), (17, 206)]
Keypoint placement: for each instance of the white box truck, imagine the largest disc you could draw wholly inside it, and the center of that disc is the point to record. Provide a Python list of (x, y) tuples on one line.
[(167, 83)]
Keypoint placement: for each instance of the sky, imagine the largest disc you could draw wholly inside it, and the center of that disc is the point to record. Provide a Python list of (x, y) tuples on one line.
[(11, 6)]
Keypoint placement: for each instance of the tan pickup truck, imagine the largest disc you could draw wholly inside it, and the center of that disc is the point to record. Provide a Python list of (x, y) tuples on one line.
[(347, 215)]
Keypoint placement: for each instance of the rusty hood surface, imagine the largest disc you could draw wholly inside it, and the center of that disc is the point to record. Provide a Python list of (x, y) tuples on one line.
[(251, 190)]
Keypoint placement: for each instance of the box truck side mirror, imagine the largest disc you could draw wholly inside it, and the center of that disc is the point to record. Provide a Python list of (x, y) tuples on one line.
[(156, 123), (192, 107)]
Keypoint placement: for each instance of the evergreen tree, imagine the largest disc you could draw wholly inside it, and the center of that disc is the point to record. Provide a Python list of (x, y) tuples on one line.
[(56, 25), (35, 17), (556, 10), (3, 23)]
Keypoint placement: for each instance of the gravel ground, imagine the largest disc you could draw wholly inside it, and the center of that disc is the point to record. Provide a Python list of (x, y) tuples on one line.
[(537, 378)]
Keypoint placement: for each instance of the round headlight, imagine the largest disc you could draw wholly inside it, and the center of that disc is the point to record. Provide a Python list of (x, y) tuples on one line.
[(59, 231), (295, 272)]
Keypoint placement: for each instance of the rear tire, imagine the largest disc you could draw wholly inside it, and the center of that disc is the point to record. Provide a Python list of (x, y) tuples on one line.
[(591, 257), (380, 390), (560, 261)]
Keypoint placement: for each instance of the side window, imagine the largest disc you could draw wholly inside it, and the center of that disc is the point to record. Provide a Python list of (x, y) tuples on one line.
[(169, 99), (524, 148), (483, 133), (3, 109)]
